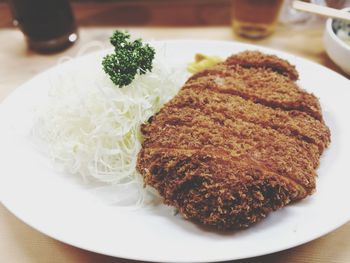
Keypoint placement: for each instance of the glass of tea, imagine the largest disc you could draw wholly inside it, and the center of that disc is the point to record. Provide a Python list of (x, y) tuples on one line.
[(255, 18), (48, 25)]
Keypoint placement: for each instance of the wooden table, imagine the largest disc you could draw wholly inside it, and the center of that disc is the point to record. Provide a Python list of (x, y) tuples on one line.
[(21, 244)]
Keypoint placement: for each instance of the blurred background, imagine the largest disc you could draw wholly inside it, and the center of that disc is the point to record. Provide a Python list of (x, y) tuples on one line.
[(151, 12), (142, 12)]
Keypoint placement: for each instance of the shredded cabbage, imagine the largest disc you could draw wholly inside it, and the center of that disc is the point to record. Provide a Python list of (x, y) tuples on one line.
[(92, 128)]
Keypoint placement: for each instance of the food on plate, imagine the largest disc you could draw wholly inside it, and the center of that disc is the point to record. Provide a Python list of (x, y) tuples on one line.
[(239, 140), (130, 58), (91, 128), (202, 62)]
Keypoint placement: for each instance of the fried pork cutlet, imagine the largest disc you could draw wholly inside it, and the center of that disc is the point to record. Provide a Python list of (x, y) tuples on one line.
[(240, 140)]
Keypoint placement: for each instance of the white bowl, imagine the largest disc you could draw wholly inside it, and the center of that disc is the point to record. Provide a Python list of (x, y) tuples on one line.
[(337, 49)]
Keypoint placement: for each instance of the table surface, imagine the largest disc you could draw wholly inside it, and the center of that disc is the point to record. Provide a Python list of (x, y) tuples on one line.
[(20, 243)]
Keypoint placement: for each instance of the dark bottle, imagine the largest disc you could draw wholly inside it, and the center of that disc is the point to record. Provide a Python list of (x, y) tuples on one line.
[(48, 25)]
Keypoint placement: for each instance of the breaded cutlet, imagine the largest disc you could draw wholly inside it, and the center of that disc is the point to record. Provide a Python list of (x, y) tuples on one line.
[(238, 141)]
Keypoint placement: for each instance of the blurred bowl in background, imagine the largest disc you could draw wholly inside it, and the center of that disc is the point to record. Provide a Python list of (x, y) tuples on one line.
[(337, 42)]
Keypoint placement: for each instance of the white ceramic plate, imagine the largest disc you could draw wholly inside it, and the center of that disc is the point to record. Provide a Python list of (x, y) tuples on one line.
[(65, 210)]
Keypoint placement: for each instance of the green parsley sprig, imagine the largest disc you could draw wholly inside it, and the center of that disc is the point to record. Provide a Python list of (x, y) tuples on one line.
[(129, 58)]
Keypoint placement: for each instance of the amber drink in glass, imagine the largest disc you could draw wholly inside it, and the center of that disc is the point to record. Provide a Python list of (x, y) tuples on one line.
[(255, 18)]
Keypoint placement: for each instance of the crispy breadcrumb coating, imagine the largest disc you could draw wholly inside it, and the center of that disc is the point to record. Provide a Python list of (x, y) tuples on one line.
[(240, 140)]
